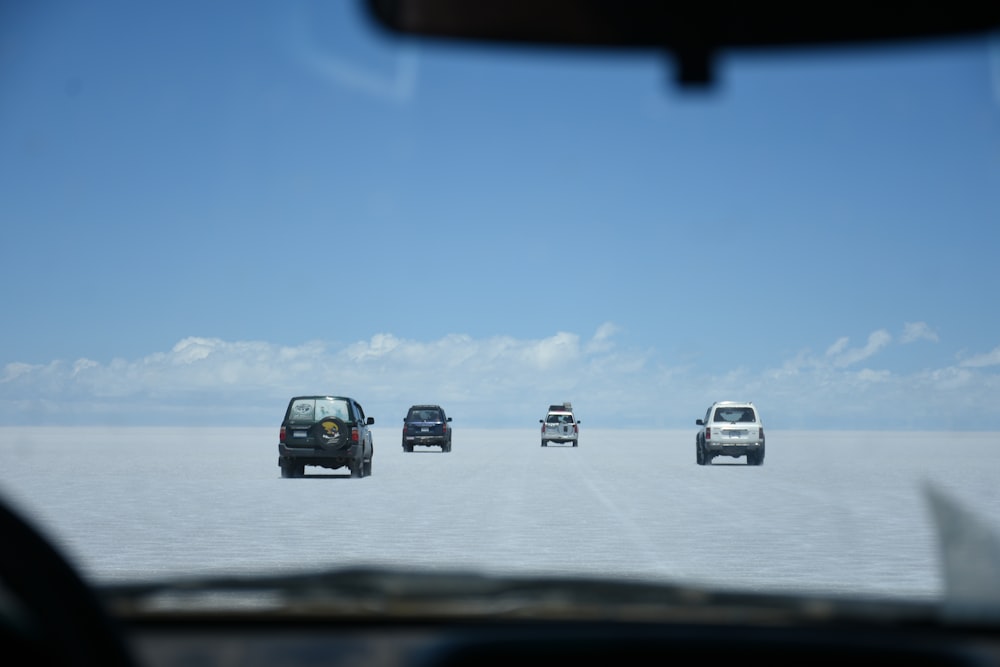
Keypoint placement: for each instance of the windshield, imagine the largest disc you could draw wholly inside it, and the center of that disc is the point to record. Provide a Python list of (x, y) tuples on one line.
[(213, 208)]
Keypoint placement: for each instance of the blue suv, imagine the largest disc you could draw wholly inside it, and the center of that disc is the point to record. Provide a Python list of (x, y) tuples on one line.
[(426, 426)]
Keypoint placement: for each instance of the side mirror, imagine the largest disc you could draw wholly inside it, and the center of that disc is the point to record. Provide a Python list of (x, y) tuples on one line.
[(371, 420), (699, 422), (449, 418)]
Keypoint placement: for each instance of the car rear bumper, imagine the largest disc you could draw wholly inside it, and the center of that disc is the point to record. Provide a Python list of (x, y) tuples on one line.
[(740, 448), (318, 455), (425, 440)]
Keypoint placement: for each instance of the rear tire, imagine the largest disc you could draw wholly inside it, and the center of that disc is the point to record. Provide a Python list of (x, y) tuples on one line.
[(699, 453), (544, 443)]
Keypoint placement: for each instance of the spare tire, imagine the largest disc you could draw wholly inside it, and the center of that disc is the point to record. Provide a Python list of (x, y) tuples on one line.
[(331, 432)]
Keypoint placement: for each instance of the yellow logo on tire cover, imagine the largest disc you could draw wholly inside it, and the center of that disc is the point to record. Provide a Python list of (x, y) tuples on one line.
[(330, 428)]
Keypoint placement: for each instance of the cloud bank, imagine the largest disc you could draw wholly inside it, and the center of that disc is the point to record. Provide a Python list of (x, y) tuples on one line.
[(502, 381)]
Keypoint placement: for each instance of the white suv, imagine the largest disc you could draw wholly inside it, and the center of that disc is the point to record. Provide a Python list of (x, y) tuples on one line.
[(560, 425), (730, 429)]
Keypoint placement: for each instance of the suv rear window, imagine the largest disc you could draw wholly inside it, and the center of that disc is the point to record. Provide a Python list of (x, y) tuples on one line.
[(559, 419), (315, 409), (735, 415), (425, 415)]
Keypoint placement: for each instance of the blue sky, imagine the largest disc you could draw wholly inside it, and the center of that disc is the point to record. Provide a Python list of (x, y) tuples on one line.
[(207, 209)]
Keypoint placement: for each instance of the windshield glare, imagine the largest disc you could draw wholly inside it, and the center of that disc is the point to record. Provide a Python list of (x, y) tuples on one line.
[(213, 208)]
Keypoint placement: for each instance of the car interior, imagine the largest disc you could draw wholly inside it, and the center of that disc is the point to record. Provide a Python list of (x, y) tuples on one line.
[(49, 615)]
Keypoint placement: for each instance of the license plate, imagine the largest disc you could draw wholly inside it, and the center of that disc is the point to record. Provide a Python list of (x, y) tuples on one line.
[(299, 434), (736, 434), (424, 430)]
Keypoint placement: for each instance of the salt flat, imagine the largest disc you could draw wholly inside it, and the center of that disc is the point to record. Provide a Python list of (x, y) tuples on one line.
[(839, 512)]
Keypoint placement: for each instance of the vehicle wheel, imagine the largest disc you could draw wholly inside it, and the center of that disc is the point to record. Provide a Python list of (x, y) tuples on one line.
[(368, 468), (575, 442), (699, 453), (357, 469), (543, 443)]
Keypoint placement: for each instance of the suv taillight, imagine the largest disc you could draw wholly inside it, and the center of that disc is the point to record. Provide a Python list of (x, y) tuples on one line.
[(281, 435), (708, 433), (761, 430), (576, 429), (354, 434)]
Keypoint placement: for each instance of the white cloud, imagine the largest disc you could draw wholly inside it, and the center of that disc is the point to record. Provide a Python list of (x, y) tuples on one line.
[(81, 365), (551, 352), (949, 379), (14, 370), (380, 346), (914, 331), (839, 346), (868, 375), (494, 381), (601, 341), (840, 356), (193, 349), (991, 358)]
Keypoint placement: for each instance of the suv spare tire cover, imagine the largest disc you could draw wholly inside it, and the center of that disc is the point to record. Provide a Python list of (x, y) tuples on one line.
[(331, 433)]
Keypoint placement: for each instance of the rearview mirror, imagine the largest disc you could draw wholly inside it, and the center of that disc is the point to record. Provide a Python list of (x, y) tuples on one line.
[(693, 32)]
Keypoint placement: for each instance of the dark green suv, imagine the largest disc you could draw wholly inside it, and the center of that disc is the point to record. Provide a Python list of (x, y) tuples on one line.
[(327, 431)]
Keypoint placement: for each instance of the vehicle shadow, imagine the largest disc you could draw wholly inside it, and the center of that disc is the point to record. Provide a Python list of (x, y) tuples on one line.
[(325, 475)]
